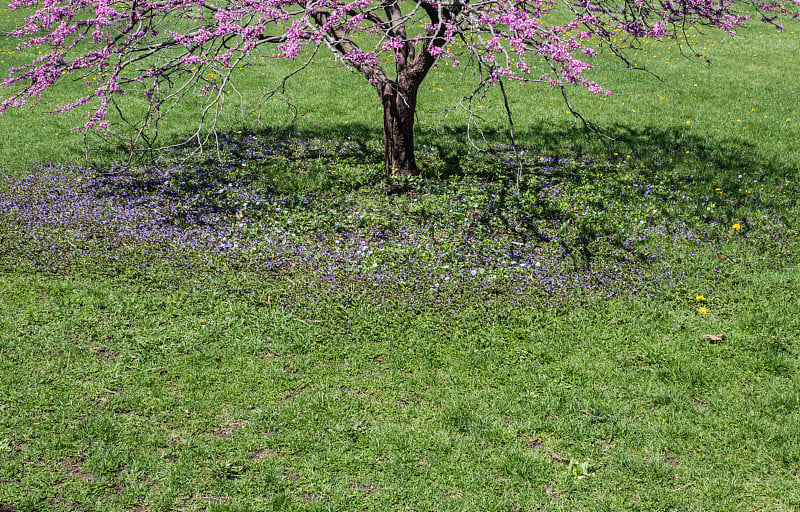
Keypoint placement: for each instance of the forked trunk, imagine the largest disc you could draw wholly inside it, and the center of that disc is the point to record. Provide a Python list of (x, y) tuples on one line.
[(399, 105)]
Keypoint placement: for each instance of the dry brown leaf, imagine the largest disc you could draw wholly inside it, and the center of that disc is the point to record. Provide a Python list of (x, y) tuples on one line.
[(533, 443), (714, 337)]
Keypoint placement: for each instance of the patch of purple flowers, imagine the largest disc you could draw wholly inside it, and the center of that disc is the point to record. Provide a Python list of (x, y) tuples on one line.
[(437, 246)]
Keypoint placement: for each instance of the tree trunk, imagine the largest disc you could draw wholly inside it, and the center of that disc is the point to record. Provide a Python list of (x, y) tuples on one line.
[(399, 105)]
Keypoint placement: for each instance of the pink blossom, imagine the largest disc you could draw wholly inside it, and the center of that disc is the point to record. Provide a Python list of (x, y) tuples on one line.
[(96, 37)]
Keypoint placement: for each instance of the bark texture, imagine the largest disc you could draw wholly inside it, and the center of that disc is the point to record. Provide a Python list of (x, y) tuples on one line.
[(399, 106), (399, 96)]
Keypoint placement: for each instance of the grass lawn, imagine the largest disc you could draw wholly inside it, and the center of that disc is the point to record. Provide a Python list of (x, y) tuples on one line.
[(265, 329)]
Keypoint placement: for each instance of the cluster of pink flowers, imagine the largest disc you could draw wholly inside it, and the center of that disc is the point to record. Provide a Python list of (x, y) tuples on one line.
[(507, 36)]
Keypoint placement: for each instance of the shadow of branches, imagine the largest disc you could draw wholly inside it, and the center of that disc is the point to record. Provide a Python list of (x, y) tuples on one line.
[(570, 187)]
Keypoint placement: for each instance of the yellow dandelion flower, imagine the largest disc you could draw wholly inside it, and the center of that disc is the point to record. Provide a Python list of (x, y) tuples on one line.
[(700, 298), (737, 226), (703, 310)]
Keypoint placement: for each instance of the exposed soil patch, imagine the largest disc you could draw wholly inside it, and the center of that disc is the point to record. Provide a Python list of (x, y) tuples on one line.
[(74, 466), (225, 431), (264, 453)]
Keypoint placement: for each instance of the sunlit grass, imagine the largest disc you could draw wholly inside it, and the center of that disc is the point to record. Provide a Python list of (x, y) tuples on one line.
[(264, 328), (747, 93)]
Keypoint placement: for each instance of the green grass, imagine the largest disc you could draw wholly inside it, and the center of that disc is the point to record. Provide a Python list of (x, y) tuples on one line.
[(747, 95), (126, 397), (269, 331)]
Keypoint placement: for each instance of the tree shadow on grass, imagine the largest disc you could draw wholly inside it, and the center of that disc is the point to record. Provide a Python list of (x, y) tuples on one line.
[(672, 158), (447, 153), (690, 164), (657, 146), (302, 162), (714, 181)]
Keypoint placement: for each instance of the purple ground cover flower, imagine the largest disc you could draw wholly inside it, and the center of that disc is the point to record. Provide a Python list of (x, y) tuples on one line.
[(440, 244)]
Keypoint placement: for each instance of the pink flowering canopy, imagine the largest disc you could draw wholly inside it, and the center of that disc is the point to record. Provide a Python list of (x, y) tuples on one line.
[(168, 49)]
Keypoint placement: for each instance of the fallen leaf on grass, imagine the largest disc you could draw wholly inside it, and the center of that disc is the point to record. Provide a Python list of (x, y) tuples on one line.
[(534, 444), (714, 337)]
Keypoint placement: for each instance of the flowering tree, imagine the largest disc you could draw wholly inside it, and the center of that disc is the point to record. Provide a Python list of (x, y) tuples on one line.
[(166, 50)]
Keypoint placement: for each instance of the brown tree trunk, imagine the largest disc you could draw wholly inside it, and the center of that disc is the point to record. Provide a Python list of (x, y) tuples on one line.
[(399, 105)]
